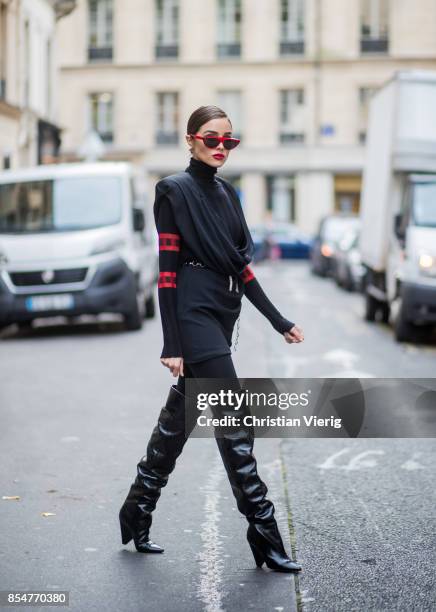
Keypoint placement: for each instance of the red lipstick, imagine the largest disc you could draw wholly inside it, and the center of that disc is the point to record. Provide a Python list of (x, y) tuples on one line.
[(218, 156)]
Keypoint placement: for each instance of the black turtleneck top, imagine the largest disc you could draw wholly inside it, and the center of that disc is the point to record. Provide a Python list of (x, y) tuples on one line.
[(173, 251)]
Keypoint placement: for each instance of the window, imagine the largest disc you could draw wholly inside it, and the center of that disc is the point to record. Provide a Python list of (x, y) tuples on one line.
[(292, 116), (365, 94), (100, 30), (101, 113), (281, 197), (48, 76), (374, 26), (292, 27), (231, 103), (229, 28), (167, 29), (3, 48), (167, 120), (27, 71)]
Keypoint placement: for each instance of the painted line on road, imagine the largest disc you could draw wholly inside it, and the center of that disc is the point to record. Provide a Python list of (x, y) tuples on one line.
[(210, 587), (292, 532)]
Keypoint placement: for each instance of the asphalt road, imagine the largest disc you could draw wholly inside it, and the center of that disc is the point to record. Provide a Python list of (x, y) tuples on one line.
[(78, 405)]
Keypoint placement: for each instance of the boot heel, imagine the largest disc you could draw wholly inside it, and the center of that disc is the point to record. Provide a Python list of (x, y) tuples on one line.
[(126, 536), (257, 554)]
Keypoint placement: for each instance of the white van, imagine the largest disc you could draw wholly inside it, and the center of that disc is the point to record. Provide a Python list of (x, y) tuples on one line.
[(73, 241)]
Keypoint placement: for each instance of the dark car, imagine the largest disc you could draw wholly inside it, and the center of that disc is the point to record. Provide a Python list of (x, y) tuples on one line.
[(331, 229), (348, 268), (280, 239)]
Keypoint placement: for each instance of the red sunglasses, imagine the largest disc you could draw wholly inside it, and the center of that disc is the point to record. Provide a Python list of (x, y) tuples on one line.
[(213, 141)]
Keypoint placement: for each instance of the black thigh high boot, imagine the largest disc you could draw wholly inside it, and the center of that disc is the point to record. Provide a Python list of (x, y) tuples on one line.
[(165, 445), (236, 449)]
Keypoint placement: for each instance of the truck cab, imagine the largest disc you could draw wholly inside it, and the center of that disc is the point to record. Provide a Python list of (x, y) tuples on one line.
[(411, 273)]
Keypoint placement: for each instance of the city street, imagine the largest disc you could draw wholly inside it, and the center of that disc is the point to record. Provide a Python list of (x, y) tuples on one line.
[(78, 405)]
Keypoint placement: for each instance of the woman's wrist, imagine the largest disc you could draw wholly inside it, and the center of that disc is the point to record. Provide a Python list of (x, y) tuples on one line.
[(283, 325)]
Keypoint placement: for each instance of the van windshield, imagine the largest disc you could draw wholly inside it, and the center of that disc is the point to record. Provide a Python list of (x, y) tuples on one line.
[(59, 205), (424, 204)]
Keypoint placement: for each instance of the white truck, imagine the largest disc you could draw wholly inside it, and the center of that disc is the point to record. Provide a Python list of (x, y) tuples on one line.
[(75, 240), (398, 209)]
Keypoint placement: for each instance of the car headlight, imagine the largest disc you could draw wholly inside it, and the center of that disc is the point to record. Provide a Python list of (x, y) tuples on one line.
[(427, 264), (326, 250)]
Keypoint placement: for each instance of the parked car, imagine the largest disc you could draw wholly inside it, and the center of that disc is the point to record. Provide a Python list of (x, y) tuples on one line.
[(290, 241), (331, 229), (73, 241), (348, 268)]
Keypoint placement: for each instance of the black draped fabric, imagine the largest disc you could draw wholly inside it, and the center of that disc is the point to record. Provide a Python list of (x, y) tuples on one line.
[(200, 224)]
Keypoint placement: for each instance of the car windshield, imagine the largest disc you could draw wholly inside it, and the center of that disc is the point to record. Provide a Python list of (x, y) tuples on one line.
[(334, 228), (424, 204), (64, 204)]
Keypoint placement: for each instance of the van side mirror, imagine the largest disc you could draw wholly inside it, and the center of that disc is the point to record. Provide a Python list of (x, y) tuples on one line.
[(399, 226), (138, 219)]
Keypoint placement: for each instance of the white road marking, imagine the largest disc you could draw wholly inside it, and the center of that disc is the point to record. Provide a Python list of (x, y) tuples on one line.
[(412, 464), (210, 589), (356, 463)]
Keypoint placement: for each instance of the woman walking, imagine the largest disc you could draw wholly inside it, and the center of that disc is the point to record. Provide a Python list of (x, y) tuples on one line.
[(204, 251)]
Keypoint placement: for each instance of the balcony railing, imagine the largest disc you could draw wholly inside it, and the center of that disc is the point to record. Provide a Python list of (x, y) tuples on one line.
[(166, 51), (362, 137), (294, 47), (166, 138), (225, 50), (107, 137), (374, 45), (292, 137), (98, 54)]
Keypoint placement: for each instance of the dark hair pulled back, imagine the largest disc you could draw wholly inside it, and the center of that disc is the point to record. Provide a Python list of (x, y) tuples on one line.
[(202, 115)]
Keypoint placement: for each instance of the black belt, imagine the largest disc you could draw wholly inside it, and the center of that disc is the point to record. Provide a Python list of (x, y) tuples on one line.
[(233, 280)]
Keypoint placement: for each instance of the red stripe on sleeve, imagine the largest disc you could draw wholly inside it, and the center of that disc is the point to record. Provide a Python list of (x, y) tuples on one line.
[(167, 279), (169, 242), (247, 274)]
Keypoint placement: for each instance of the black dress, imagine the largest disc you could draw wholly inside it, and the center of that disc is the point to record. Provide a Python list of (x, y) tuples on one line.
[(200, 305)]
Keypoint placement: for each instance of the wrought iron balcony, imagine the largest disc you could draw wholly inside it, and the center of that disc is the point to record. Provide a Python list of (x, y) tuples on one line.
[(374, 45), (292, 137), (166, 51), (100, 54), (291, 47), (226, 50)]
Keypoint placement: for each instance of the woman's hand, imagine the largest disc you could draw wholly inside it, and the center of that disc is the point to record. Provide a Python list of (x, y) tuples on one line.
[(175, 364), (295, 334)]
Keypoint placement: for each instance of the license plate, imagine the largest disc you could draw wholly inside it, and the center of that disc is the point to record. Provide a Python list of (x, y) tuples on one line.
[(61, 301)]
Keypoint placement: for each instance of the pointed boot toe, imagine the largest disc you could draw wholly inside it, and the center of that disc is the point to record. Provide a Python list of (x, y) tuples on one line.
[(148, 547)]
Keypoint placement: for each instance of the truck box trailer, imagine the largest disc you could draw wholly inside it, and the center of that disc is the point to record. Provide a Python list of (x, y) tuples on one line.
[(398, 209)]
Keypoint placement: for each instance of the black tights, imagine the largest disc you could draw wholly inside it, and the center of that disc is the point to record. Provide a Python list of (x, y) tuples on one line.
[(235, 447), (215, 367)]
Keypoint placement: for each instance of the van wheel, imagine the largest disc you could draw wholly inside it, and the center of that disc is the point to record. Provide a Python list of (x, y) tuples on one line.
[(404, 330), (150, 307), (385, 312), (371, 307), (133, 319)]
